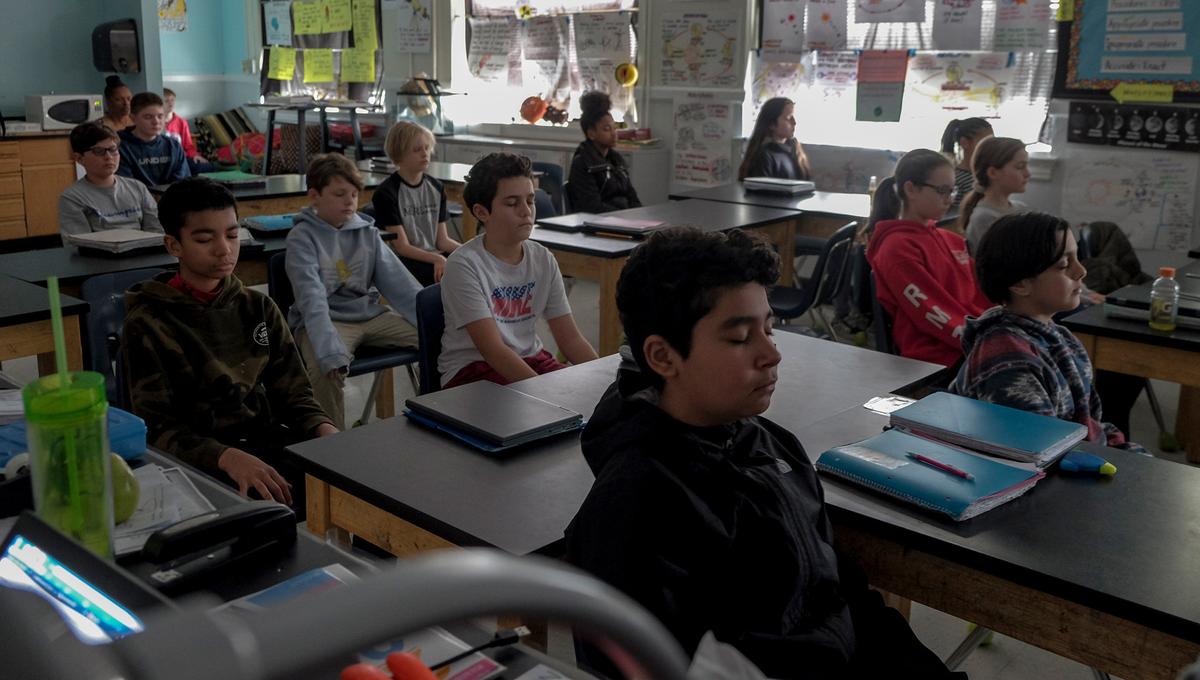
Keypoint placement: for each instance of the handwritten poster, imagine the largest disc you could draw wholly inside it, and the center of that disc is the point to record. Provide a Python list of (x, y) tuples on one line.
[(1022, 25), (492, 41), (885, 11), (782, 30), (957, 24), (282, 64), (779, 79), (881, 85), (700, 49), (836, 74), (318, 65), (825, 25), (308, 18), (701, 154), (968, 83), (1150, 194), (358, 66), (338, 16), (602, 44), (414, 27), (277, 16), (546, 41), (366, 36)]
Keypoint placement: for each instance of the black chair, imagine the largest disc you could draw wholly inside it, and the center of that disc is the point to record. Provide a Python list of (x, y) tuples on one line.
[(831, 272), (431, 322), (377, 360), (544, 204), (881, 323), (551, 181), (105, 295)]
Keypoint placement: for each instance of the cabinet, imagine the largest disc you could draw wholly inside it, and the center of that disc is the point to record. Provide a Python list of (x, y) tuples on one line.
[(33, 172)]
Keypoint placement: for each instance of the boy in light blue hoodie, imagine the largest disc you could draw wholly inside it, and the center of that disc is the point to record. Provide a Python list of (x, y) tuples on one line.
[(334, 258)]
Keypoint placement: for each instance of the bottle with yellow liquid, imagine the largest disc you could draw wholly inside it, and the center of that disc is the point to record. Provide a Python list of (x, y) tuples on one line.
[(1164, 299)]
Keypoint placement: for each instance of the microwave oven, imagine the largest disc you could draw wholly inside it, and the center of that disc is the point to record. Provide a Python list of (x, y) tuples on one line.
[(63, 111)]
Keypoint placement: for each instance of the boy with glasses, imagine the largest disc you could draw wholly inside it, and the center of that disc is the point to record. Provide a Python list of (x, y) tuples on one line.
[(101, 199)]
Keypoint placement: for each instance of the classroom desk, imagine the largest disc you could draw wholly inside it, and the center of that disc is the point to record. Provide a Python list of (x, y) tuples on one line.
[(408, 489), (1100, 571), (25, 324), (601, 258), (282, 194), (1132, 347), (821, 212)]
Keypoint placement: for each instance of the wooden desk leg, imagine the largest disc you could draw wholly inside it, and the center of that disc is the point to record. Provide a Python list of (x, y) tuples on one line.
[(610, 318), (316, 508), (470, 226), (385, 398), (45, 360), (1187, 421)]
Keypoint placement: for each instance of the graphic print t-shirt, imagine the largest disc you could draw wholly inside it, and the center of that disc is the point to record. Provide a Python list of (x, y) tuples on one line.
[(418, 208), (477, 286)]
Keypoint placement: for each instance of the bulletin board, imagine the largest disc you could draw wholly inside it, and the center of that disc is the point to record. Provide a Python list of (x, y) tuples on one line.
[(1108, 43), (323, 48)]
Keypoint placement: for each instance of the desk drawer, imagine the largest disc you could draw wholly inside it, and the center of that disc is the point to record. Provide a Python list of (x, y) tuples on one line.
[(9, 149), (12, 209), (10, 185), (9, 166), (45, 151), (12, 229)]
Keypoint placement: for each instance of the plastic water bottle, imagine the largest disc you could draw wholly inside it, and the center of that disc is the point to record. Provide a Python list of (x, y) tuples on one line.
[(1164, 299), (871, 186)]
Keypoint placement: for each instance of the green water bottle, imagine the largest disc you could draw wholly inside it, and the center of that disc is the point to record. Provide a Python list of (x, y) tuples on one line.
[(68, 456)]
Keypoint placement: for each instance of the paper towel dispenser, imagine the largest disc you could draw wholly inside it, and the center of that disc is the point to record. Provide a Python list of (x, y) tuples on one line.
[(115, 47)]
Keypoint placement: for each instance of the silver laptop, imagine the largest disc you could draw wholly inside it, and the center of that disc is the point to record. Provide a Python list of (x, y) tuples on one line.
[(497, 415)]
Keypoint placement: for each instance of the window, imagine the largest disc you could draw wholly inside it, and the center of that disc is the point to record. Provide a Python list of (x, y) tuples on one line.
[(1011, 89), (561, 49)]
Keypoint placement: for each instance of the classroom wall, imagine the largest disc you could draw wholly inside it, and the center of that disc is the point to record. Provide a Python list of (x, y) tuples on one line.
[(66, 25), (204, 64)]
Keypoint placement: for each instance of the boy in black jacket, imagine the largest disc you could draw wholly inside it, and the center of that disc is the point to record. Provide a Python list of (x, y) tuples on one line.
[(704, 512)]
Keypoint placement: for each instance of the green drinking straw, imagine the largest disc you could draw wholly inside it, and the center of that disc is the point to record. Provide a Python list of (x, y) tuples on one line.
[(60, 361)]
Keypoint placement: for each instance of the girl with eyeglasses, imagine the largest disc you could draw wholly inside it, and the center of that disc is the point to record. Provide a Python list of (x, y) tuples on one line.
[(101, 199), (1001, 167), (924, 277)]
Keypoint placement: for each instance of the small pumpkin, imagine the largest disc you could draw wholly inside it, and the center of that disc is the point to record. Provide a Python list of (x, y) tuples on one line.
[(532, 109)]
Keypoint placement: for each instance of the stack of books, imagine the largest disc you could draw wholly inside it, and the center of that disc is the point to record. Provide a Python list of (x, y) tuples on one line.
[(955, 455), (776, 185)]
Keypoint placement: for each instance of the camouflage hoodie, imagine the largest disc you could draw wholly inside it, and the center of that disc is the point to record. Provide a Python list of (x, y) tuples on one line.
[(206, 376)]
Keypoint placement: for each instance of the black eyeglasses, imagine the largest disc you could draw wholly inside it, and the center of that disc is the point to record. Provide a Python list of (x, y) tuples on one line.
[(944, 191), (105, 150)]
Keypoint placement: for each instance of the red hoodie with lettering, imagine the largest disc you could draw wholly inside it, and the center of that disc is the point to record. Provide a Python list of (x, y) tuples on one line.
[(925, 281)]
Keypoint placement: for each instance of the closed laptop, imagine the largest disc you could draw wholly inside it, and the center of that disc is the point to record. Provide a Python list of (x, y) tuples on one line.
[(495, 414)]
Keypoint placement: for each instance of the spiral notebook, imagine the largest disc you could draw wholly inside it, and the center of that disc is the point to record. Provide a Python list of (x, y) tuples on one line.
[(941, 478)]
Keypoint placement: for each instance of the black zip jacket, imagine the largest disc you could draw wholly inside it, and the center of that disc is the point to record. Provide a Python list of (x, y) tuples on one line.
[(598, 183)]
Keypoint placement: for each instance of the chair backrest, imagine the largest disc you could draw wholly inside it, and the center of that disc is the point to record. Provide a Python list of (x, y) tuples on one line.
[(431, 321), (552, 182), (279, 286), (543, 204), (832, 270), (881, 323), (367, 210), (105, 295)]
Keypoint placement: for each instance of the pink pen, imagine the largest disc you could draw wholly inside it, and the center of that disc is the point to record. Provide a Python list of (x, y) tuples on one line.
[(944, 467)]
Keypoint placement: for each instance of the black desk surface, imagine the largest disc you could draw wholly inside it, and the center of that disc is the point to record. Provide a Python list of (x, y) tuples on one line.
[(35, 266), (522, 503), (447, 173), (705, 215), (280, 186), (1125, 545), (1092, 320), (21, 301), (825, 202)]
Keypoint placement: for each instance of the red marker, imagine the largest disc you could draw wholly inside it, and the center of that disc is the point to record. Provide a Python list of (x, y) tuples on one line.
[(944, 467)]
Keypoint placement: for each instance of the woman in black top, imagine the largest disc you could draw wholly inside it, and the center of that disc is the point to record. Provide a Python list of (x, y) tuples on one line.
[(599, 180), (773, 150)]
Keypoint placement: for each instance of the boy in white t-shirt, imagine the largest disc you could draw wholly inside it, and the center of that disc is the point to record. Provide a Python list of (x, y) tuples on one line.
[(497, 285)]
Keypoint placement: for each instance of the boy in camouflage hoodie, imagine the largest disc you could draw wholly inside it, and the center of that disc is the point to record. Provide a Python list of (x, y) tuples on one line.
[(212, 366)]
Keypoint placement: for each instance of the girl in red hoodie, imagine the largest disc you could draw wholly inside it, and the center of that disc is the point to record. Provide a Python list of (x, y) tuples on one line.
[(924, 278)]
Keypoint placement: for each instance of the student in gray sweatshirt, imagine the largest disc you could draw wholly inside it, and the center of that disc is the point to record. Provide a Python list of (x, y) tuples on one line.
[(101, 199), (334, 258)]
